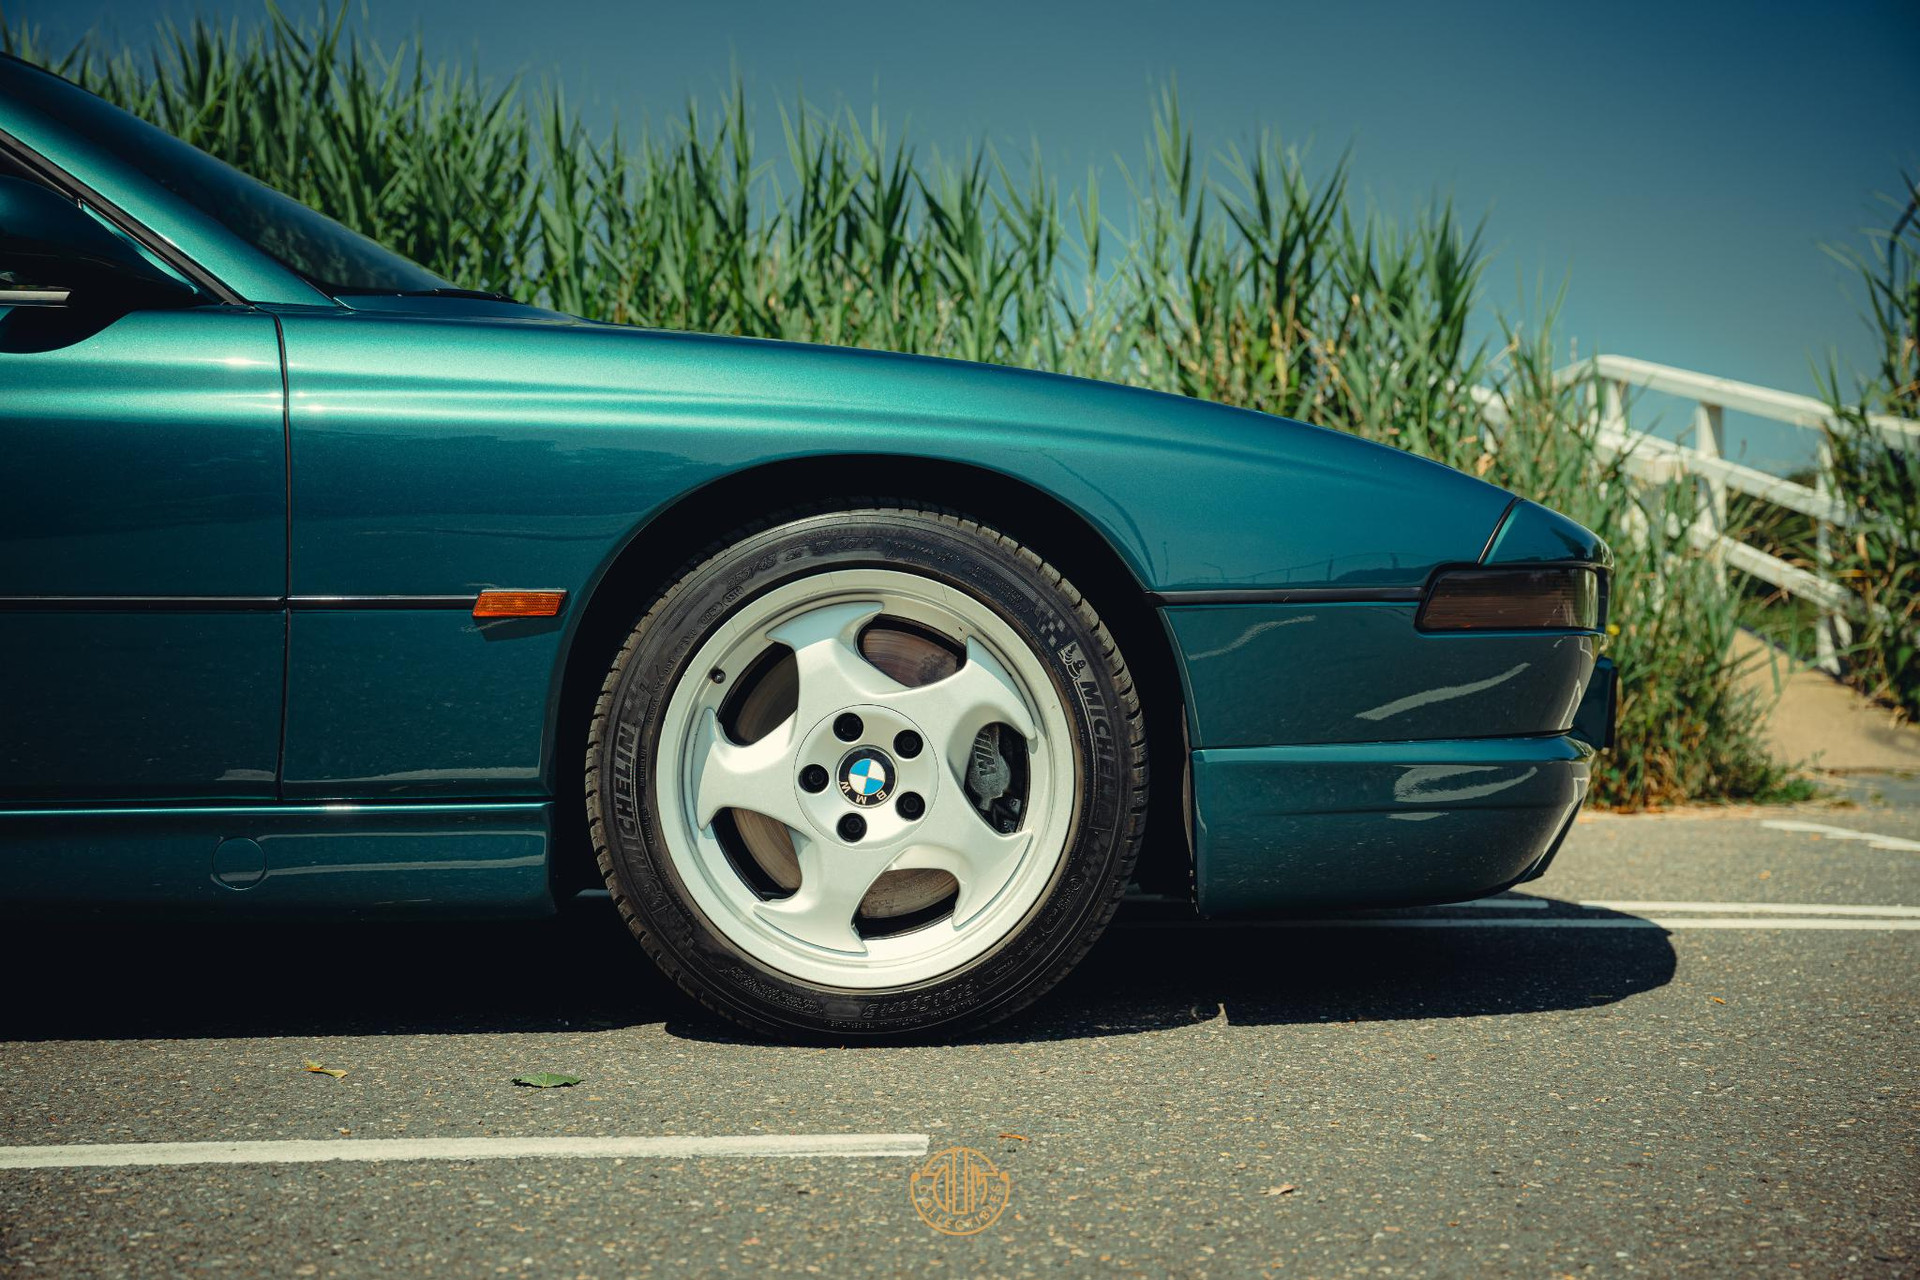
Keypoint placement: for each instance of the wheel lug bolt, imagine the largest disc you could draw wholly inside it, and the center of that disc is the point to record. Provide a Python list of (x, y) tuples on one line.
[(852, 827), (847, 727), (813, 778), (911, 805), (906, 744)]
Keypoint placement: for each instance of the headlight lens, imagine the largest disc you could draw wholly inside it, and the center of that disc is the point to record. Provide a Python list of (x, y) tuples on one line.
[(1539, 599)]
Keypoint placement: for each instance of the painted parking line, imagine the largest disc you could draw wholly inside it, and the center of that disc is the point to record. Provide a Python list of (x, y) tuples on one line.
[(1623, 914), (1872, 839), (845, 1146), (1750, 908), (1897, 924), (1548, 922)]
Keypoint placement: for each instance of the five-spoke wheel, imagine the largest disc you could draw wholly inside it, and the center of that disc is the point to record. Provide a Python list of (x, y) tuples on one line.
[(868, 772)]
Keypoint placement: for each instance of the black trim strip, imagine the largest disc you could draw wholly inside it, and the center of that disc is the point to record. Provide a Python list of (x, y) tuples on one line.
[(222, 604), (140, 604), (1494, 535), (1288, 595), (382, 602)]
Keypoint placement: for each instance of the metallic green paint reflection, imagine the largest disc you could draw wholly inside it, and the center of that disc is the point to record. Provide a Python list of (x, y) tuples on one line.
[(146, 459), (1378, 824), (470, 859), (434, 455), (1262, 675), (384, 702), (1532, 533)]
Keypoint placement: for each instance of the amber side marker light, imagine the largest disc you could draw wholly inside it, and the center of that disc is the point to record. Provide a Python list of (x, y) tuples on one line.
[(1556, 599), (519, 604)]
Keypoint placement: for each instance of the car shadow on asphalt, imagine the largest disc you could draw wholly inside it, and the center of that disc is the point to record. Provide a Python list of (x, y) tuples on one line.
[(1152, 971), (1146, 976)]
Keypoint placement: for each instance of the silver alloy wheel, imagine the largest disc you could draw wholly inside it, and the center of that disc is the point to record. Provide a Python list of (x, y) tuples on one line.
[(812, 934)]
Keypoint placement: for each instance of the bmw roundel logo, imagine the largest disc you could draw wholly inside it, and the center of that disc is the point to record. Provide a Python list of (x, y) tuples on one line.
[(866, 777)]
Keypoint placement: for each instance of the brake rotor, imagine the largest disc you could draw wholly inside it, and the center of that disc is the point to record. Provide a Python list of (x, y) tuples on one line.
[(905, 654)]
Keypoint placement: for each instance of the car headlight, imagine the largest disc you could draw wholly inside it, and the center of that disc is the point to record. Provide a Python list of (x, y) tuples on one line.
[(1553, 598)]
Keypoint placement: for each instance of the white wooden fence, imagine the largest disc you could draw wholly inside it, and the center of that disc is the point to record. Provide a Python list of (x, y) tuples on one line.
[(1701, 453)]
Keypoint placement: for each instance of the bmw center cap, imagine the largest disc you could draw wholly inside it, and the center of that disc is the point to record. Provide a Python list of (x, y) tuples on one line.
[(866, 777)]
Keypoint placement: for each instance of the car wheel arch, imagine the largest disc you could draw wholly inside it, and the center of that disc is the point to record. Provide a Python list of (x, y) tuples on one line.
[(660, 547)]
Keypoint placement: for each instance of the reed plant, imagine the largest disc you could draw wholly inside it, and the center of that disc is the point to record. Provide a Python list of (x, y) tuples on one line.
[(1256, 278), (1875, 468)]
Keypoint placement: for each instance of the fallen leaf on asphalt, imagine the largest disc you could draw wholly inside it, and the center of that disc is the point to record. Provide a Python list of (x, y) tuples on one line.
[(1716, 999), (1017, 1137), (546, 1080), (1284, 1189), (311, 1065)]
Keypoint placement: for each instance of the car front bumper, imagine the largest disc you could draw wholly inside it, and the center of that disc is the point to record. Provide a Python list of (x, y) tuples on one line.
[(1379, 824)]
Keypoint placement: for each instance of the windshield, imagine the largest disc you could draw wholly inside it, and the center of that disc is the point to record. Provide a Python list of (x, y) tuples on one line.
[(320, 250)]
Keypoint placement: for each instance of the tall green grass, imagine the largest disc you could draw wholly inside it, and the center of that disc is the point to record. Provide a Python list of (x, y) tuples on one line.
[(1880, 557), (1252, 278), (1874, 474)]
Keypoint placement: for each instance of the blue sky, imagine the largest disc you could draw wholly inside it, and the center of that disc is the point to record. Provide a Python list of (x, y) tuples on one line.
[(1678, 166)]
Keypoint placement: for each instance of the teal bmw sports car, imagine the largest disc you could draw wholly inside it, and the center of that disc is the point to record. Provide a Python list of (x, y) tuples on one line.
[(867, 684)]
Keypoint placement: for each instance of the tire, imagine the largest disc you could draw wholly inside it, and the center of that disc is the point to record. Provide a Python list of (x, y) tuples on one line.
[(867, 773)]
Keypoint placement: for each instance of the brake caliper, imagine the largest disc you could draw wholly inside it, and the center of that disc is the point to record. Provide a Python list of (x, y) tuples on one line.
[(992, 783)]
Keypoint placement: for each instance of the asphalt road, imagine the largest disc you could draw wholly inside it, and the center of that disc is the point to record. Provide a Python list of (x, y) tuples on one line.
[(1602, 1097)]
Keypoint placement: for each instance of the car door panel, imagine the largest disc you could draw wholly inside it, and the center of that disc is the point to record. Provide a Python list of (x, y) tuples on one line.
[(148, 459), (142, 558), (133, 704)]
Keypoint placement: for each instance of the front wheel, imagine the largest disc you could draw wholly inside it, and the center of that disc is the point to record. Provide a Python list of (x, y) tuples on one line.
[(868, 772)]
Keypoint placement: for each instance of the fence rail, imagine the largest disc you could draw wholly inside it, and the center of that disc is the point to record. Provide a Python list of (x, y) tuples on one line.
[(1701, 454)]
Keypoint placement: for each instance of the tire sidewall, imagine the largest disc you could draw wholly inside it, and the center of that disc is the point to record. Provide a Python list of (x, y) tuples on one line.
[(1007, 579)]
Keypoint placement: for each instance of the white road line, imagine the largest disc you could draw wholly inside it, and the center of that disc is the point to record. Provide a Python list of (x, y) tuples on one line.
[(853, 1146), (1751, 909), (1893, 843), (1888, 924), (1779, 922)]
